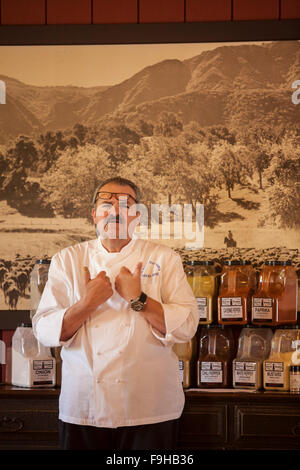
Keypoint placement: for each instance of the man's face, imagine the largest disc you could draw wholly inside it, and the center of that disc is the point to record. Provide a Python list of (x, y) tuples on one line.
[(111, 212)]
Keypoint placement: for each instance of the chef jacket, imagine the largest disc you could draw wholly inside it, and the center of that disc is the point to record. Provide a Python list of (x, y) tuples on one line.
[(117, 369)]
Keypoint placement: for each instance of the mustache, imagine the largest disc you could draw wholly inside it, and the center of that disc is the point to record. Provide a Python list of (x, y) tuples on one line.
[(114, 218)]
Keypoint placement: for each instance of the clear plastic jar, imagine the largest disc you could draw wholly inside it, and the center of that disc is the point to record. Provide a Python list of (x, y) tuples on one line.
[(216, 351), (38, 279), (285, 351), (275, 302), (236, 284), (32, 363), (254, 346), (247, 267), (201, 277), (186, 353)]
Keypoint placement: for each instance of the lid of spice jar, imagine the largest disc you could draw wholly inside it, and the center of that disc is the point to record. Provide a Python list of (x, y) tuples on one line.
[(200, 263), (295, 369), (234, 262), (278, 263), (25, 325), (43, 261)]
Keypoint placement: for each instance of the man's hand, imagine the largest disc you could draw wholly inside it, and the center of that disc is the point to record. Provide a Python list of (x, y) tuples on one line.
[(128, 284), (97, 290)]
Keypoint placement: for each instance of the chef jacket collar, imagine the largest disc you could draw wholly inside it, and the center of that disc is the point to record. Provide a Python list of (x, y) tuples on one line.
[(111, 254)]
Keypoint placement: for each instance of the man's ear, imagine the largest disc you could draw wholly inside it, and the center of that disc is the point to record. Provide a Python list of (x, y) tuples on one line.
[(93, 212)]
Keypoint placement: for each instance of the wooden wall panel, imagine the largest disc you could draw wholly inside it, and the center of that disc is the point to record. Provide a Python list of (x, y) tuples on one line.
[(255, 9), (290, 9), (69, 11), (34, 12), (203, 10), (16, 12), (161, 11), (115, 11)]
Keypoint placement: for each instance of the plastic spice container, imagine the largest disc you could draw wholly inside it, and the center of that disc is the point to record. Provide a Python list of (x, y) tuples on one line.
[(38, 279), (275, 302), (32, 363), (216, 350), (285, 351), (201, 277), (186, 353), (254, 346), (236, 286)]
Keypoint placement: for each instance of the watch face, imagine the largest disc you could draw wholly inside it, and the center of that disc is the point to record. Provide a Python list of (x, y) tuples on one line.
[(137, 305)]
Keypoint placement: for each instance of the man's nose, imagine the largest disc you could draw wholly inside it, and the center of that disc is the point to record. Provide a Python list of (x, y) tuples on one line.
[(114, 208), (115, 203)]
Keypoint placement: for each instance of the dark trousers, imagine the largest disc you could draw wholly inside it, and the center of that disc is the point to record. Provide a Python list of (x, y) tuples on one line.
[(158, 436)]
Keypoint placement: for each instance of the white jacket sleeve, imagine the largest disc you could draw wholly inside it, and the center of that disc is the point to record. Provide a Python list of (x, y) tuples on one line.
[(55, 300), (179, 305)]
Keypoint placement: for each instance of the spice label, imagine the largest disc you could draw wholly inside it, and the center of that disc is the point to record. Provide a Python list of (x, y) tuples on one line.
[(262, 308), (245, 373), (202, 307), (211, 372), (295, 383), (274, 374), (181, 370), (231, 308), (42, 372)]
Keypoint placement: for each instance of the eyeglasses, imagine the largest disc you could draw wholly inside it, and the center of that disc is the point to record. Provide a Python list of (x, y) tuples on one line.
[(106, 196)]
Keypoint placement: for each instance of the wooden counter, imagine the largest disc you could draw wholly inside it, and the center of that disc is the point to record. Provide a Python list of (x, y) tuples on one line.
[(211, 420), (28, 418), (240, 420)]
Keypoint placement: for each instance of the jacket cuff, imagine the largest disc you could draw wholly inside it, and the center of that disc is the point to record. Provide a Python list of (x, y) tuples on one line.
[(47, 329), (180, 326)]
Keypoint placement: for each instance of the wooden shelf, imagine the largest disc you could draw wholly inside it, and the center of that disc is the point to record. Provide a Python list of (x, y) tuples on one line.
[(229, 419)]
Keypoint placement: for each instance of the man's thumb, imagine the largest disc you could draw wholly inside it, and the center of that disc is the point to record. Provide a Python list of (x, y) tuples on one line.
[(87, 276), (138, 269)]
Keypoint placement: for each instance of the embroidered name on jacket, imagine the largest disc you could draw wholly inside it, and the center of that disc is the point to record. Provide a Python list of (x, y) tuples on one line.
[(151, 269)]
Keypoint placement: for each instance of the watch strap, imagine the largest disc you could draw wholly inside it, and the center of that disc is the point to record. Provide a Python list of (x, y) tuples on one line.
[(142, 297)]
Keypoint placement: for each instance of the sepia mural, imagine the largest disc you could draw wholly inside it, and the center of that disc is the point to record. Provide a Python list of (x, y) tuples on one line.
[(216, 124)]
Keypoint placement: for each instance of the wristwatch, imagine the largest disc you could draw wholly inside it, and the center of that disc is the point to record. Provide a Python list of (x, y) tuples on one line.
[(138, 304)]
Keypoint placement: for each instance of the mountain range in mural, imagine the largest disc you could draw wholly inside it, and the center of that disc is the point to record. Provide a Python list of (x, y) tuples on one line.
[(230, 85)]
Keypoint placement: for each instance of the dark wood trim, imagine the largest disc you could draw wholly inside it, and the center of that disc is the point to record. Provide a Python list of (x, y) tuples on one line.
[(11, 319), (229, 31), (263, 396), (7, 391), (230, 394)]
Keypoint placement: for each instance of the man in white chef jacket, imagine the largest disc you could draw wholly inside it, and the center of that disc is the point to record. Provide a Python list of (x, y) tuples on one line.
[(117, 304)]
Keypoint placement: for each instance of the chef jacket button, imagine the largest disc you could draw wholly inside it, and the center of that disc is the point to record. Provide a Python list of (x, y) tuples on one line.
[(98, 352), (98, 381)]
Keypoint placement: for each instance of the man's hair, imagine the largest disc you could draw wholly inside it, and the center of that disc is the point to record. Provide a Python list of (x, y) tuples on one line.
[(122, 182)]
